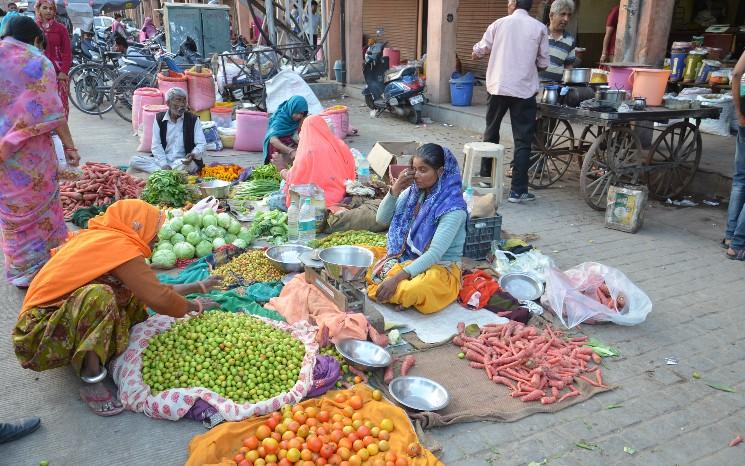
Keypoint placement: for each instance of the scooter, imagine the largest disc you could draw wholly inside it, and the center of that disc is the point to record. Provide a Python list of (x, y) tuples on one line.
[(399, 91)]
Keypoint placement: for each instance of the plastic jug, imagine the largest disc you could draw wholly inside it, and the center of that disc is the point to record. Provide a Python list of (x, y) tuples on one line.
[(201, 87), (650, 84), (250, 130), (142, 97), (222, 116), (148, 117), (168, 79)]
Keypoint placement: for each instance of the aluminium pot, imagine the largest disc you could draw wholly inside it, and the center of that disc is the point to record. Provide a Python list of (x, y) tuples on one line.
[(550, 94), (577, 75), (616, 96)]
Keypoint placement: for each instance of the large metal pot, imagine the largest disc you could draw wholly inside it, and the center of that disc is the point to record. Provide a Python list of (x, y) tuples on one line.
[(606, 94), (577, 75), (550, 94)]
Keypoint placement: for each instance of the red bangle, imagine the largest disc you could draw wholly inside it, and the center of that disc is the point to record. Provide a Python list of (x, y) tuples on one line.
[(70, 149)]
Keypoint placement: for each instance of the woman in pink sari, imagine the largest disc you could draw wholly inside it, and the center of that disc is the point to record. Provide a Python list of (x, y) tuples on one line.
[(31, 217), (58, 49)]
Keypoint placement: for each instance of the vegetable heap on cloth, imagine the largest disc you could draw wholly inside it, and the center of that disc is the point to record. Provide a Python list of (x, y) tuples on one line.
[(174, 403), (167, 187)]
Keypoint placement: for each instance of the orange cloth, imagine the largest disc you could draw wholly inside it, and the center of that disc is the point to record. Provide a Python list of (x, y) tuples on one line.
[(221, 444), (321, 159), (123, 233), (300, 300)]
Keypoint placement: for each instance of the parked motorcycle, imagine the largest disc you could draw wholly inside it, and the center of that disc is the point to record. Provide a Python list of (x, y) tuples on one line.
[(398, 90)]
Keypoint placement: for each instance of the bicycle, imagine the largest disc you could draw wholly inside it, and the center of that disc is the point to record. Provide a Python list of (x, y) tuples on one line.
[(90, 83)]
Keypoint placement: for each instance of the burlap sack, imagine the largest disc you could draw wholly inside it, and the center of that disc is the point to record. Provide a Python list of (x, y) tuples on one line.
[(358, 218)]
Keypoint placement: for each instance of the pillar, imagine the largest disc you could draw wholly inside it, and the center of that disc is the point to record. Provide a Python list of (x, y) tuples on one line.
[(244, 18), (353, 31), (441, 26), (655, 21), (333, 40)]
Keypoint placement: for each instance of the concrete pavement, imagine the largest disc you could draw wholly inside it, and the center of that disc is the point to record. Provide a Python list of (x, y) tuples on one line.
[(667, 416)]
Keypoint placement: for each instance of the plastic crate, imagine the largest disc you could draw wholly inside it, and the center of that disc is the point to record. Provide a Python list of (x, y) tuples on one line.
[(481, 233)]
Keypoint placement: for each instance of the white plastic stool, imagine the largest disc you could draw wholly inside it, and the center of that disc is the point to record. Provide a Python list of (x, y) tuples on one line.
[(474, 152)]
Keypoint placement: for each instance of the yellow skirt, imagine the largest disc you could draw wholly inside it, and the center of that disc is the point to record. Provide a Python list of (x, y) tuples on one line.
[(428, 292)]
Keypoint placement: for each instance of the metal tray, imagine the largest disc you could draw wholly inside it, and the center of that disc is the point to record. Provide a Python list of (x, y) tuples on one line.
[(522, 286)]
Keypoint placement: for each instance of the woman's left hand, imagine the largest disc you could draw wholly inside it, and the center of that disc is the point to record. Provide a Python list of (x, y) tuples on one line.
[(212, 282), (62, 76), (72, 157), (387, 289), (278, 161)]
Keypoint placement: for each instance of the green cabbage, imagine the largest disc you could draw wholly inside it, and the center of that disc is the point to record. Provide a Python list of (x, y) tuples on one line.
[(212, 232), (176, 224), (194, 238), (186, 229), (177, 238), (184, 250), (235, 227), (229, 238), (165, 233), (192, 218), (204, 248), (209, 220), (224, 219), (164, 245), (239, 243), (164, 258), (218, 243)]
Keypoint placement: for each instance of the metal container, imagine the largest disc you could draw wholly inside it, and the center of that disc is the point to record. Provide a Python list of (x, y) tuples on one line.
[(606, 94), (419, 393), (577, 75), (640, 103), (287, 257), (364, 354), (346, 263), (215, 188), (550, 94), (522, 286)]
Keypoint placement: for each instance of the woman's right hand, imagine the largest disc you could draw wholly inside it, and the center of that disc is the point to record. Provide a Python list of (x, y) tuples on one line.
[(200, 305), (405, 179)]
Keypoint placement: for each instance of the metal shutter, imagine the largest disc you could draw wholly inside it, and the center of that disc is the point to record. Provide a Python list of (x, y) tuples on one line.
[(398, 18), (474, 16)]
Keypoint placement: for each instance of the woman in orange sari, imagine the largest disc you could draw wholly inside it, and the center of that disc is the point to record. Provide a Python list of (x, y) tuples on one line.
[(82, 303)]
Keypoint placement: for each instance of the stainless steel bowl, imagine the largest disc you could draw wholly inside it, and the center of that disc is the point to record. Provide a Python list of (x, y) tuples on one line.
[(347, 263), (419, 393), (215, 188), (577, 75), (522, 286), (287, 257), (364, 354)]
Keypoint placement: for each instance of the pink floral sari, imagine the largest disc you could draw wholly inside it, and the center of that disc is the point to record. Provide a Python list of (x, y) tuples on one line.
[(31, 218)]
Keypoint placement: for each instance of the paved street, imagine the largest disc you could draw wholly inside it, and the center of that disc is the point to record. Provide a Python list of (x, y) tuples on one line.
[(667, 416)]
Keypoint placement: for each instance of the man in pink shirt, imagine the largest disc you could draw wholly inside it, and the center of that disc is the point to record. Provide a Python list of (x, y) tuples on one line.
[(517, 46)]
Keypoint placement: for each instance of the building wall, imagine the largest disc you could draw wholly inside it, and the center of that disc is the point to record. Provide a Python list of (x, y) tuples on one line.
[(592, 15)]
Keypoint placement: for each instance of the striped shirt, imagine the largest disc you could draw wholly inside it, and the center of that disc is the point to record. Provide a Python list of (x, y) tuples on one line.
[(560, 54)]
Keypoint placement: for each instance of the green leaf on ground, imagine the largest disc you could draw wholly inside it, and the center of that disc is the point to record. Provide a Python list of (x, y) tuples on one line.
[(629, 450), (614, 406), (724, 388), (586, 445), (696, 375), (535, 463), (601, 349), (472, 330)]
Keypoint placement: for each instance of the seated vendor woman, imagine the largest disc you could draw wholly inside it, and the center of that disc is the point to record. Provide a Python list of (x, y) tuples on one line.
[(178, 141), (284, 125), (81, 305), (427, 216)]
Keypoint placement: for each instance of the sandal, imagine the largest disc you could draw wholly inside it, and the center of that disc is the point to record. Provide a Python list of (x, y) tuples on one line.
[(739, 255), (725, 243), (101, 402)]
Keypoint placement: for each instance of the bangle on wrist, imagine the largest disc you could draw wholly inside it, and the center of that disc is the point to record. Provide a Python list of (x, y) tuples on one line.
[(70, 149), (202, 287), (199, 305)]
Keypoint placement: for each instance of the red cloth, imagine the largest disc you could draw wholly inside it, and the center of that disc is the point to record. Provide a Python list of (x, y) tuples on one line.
[(612, 22), (480, 282), (59, 52)]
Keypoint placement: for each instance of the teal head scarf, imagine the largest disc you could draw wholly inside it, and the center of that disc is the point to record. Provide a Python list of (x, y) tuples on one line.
[(281, 123)]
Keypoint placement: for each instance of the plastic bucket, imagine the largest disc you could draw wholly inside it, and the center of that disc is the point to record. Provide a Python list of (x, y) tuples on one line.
[(143, 96), (461, 89), (619, 77), (650, 84), (394, 56), (250, 130), (222, 116), (148, 117)]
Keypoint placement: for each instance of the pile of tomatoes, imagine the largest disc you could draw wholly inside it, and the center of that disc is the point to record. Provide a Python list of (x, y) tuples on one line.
[(309, 436)]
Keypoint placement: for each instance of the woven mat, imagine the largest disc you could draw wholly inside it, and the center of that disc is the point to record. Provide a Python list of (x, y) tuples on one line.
[(473, 397)]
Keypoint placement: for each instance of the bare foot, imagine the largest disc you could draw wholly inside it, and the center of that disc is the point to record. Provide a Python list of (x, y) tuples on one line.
[(100, 399)]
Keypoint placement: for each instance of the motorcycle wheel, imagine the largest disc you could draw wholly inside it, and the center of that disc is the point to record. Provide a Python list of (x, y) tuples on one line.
[(415, 116), (370, 102), (88, 88)]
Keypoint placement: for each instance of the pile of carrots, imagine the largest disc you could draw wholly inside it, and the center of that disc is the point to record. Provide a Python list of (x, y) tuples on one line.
[(534, 365), (228, 172), (98, 185)]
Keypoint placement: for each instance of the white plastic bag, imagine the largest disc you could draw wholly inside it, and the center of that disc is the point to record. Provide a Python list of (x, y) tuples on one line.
[(206, 203), (721, 125), (567, 295), (287, 84), (532, 262)]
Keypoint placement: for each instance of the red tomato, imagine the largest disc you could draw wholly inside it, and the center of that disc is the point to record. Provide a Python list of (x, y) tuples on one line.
[(323, 416), (314, 444), (271, 423), (238, 458), (263, 432), (252, 443), (270, 445), (355, 402), (327, 450), (363, 431)]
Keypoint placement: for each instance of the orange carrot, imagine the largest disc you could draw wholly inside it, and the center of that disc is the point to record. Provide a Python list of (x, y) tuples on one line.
[(547, 400), (409, 363), (475, 357), (735, 441), (535, 395)]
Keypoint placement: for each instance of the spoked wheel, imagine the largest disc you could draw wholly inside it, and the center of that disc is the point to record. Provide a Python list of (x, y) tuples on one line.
[(552, 152), (589, 134), (673, 160), (123, 89), (89, 88), (612, 159)]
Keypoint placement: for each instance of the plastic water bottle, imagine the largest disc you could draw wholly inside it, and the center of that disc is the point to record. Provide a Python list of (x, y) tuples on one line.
[(363, 167), (307, 223), (468, 197), (293, 220)]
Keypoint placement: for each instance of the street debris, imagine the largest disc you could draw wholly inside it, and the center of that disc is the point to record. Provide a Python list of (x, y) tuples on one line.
[(735, 441), (696, 375), (629, 450), (586, 445), (614, 406), (724, 388), (681, 203), (671, 361)]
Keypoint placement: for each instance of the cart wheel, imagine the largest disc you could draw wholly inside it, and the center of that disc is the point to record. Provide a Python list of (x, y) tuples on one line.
[(551, 153), (589, 134), (612, 159), (674, 159)]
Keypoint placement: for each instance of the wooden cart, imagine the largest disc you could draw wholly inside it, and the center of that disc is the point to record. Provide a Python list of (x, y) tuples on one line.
[(610, 150)]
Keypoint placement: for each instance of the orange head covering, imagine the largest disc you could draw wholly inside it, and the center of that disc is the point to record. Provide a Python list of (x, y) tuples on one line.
[(121, 234), (322, 159), (37, 10)]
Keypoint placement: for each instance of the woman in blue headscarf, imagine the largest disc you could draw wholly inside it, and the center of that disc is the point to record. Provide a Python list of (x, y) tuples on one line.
[(283, 125), (427, 217)]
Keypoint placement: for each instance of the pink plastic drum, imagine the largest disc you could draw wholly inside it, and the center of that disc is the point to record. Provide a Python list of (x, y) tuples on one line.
[(250, 130), (148, 117), (143, 96)]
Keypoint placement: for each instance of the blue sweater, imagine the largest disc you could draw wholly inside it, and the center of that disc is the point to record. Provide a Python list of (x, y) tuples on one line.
[(447, 242)]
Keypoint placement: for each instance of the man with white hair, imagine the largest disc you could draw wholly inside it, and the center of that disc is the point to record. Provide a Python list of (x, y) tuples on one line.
[(561, 44), (178, 140), (517, 46)]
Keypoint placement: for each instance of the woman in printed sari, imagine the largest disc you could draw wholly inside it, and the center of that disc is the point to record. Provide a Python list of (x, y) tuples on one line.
[(31, 215), (322, 159), (426, 236), (58, 49), (148, 29), (81, 305), (283, 125)]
